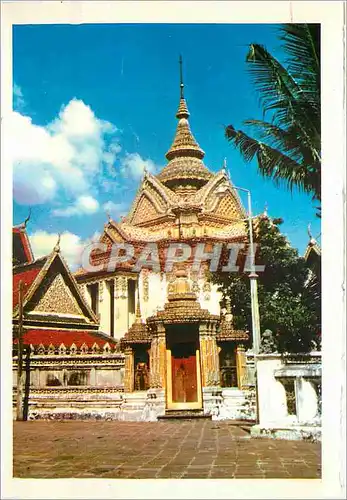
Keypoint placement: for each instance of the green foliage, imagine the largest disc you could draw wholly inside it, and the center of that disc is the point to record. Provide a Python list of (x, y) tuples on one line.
[(288, 305), (287, 146)]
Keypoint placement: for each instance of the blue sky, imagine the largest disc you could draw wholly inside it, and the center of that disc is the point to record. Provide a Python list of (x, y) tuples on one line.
[(95, 103)]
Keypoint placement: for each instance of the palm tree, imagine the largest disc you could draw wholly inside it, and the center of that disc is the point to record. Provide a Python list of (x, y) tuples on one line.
[(286, 143)]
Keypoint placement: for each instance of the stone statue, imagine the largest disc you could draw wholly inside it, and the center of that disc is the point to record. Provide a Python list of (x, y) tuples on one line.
[(141, 377), (268, 343)]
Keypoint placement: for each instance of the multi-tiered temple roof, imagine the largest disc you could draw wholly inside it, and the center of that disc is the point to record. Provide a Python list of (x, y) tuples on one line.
[(185, 201)]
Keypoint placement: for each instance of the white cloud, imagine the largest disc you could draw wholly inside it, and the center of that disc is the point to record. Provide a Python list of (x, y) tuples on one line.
[(85, 204), (67, 154), (115, 209), (76, 157), (134, 165), (71, 245)]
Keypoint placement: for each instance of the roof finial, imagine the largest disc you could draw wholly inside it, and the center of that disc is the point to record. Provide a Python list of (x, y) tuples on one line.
[(225, 165), (181, 77), (27, 219), (312, 240), (309, 231), (57, 245), (108, 216), (265, 209)]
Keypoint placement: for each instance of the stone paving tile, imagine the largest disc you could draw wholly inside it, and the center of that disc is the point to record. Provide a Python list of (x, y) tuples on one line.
[(190, 449)]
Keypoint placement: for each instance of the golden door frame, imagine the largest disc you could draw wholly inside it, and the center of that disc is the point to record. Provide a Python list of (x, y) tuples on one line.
[(182, 406)]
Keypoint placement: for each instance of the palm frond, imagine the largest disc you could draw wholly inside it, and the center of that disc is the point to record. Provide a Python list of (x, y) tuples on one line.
[(281, 94), (289, 141), (272, 81), (301, 43), (273, 163), (287, 144)]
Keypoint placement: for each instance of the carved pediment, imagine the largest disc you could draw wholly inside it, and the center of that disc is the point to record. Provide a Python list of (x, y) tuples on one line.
[(221, 201), (153, 200), (57, 298), (224, 207), (145, 210)]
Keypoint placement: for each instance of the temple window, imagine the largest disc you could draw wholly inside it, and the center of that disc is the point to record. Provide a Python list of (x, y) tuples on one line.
[(131, 296), (141, 368), (228, 365), (78, 378), (93, 289), (289, 387), (52, 380)]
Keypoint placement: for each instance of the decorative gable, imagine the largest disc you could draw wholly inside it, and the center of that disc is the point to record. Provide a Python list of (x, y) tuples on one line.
[(225, 207), (145, 211), (153, 200), (221, 200), (58, 299)]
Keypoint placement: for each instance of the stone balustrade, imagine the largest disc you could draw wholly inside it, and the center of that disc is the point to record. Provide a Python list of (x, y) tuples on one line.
[(289, 396)]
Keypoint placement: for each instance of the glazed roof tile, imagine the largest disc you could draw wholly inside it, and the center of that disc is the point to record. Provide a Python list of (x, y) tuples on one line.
[(46, 337), (21, 248), (27, 273)]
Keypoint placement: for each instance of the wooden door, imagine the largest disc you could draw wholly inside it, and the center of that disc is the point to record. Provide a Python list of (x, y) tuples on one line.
[(184, 380), (183, 377)]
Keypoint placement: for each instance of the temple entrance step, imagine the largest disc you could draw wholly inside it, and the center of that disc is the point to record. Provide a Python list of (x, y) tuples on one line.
[(183, 414)]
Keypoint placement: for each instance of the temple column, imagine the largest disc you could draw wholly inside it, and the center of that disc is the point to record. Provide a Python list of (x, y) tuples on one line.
[(215, 355), (104, 306), (240, 366), (162, 356), (203, 354), (152, 362), (209, 355), (129, 370), (158, 359)]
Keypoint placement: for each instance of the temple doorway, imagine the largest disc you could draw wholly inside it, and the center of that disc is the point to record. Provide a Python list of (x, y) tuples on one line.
[(183, 367)]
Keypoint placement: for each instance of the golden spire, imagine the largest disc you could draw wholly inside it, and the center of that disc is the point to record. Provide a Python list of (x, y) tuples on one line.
[(181, 77), (185, 154)]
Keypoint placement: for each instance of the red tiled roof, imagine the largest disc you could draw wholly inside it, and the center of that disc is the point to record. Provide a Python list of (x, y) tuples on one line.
[(26, 274), (36, 337), (21, 245)]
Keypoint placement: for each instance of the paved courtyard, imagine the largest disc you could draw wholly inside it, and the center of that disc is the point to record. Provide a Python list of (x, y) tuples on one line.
[(167, 449)]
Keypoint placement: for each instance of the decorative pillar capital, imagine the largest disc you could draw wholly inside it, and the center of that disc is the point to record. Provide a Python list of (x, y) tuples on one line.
[(161, 330), (203, 329)]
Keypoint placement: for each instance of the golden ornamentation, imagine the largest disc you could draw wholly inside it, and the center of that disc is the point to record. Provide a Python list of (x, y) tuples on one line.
[(51, 349), (145, 286), (58, 299), (145, 211), (117, 287), (101, 291), (124, 287)]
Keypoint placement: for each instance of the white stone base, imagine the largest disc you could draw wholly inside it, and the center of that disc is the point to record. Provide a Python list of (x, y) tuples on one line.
[(143, 406), (295, 432), (229, 403), (237, 405)]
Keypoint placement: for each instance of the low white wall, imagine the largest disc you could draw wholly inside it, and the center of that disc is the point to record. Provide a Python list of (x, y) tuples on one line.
[(271, 393), (273, 372)]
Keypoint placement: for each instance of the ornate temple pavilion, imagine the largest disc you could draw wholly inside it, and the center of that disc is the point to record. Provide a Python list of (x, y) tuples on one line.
[(65, 356), (175, 336)]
